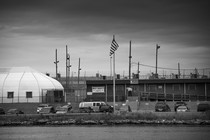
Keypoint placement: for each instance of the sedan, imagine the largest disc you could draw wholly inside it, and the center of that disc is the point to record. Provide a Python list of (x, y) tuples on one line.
[(106, 108), (162, 107), (177, 104), (203, 107), (2, 111), (15, 111), (64, 109), (47, 110), (182, 108), (42, 106)]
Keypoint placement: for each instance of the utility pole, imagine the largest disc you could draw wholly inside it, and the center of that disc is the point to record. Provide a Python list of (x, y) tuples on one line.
[(56, 65), (138, 71), (67, 67), (79, 71), (130, 61), (157, 47), (179, 74)]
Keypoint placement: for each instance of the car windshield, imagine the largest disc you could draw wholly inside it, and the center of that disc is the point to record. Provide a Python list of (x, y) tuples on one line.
[(103, 103), (204, 105), (181, 103), (46, 109), (12, 110), (62, 109), (43, 105), (66, 106), (182, 107), (161, 103)]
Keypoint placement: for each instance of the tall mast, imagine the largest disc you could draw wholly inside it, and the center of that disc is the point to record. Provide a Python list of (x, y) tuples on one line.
[(138, 71), (79, 71), (157, 47), (56, 65), (67, 67), (130, 61)]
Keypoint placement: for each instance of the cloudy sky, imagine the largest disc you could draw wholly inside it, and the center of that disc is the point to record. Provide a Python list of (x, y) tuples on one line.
[(31, 30)]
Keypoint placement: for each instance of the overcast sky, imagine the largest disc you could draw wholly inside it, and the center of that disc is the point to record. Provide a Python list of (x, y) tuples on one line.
[(31, 30)]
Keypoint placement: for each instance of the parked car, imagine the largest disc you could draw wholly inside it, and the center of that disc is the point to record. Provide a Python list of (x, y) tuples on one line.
[(57, 108), (106, 108), (203, 107), (2, 111), (47, 110), (86, 110), (177, 104), (15, 111), (65, 106), (162, 107), (182, 108), (64, 109), (91, 106), (42, 106)]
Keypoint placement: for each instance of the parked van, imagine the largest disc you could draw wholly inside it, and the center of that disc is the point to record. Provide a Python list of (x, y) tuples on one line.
[(90, 106)]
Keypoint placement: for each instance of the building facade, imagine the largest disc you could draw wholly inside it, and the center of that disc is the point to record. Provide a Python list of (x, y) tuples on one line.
[(149, 89), (25, 85)]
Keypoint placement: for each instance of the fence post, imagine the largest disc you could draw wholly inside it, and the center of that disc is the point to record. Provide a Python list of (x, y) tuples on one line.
[(156, 96), (173, 97)]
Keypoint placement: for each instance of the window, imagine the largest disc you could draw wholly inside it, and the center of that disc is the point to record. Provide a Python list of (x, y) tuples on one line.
[(176, 87), (160, 87), (28, 94), (152, 87), (10, 94), (192, 87)]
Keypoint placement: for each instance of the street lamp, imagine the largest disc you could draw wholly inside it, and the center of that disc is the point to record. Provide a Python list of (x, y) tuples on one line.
[(157, 47)]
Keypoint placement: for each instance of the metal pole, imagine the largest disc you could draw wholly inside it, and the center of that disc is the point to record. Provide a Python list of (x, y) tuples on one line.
[(79, 71), (106, 94), (66, 67), (138, 71), (179, 74), (111, 67), (69, 68), (205, 92), (156, 61), (130, 61), (56, 65), (157, 47), (114, 81)]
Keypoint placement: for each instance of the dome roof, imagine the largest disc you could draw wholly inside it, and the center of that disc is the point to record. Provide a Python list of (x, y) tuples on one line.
[(20, 80)]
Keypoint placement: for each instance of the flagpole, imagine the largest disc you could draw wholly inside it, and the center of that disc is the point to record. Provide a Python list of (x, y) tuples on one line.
[(113, 48), (110, 67), (114, 81)]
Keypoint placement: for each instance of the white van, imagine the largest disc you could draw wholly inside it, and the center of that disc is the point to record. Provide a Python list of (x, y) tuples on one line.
[(93, 105)]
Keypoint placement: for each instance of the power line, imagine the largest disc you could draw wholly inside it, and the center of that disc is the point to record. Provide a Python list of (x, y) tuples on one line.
[(166, 68)]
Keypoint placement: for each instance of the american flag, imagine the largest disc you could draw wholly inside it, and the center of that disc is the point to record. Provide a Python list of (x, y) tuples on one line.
[(158, 47), (114, 47)]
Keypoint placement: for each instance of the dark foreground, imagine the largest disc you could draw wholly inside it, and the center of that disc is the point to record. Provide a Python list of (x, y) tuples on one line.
[(106, 133)]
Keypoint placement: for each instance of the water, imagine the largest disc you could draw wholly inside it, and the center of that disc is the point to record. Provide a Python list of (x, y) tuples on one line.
[(106, 133)]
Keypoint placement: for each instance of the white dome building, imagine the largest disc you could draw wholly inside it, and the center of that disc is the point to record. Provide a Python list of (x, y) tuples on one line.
[(23, 84)]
